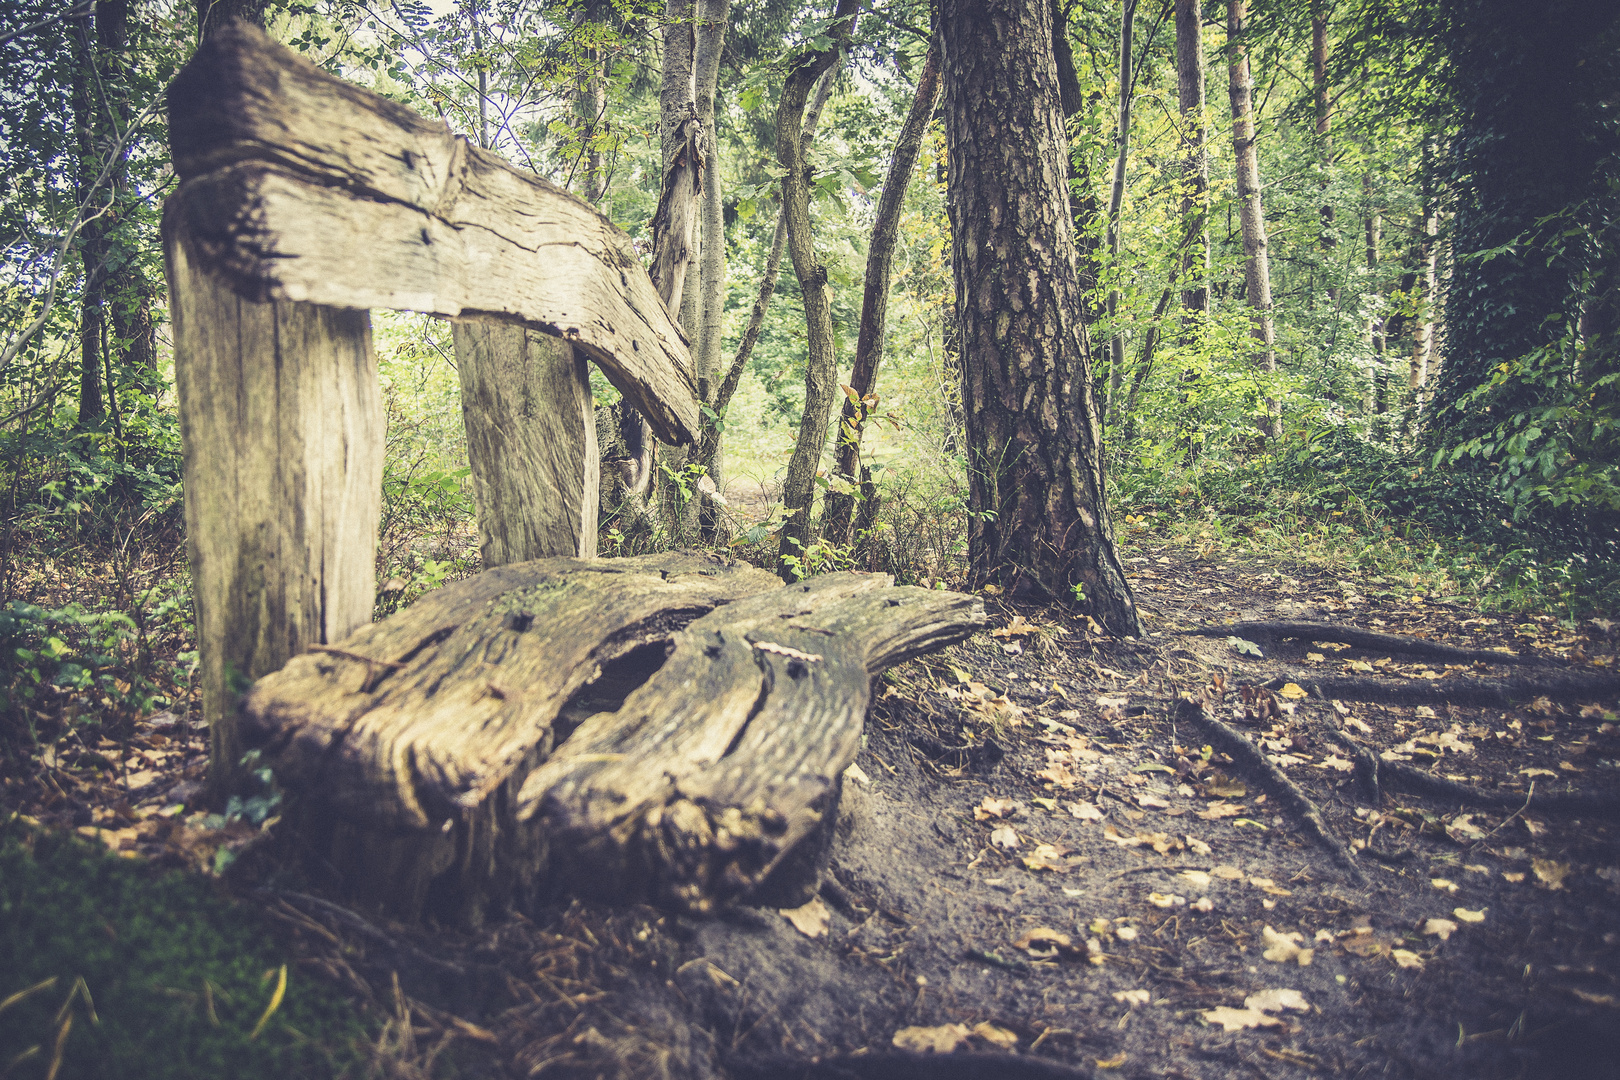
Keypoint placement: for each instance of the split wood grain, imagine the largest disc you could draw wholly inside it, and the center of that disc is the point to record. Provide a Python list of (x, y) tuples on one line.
[(531, 442), (281, 435), (299, 186)]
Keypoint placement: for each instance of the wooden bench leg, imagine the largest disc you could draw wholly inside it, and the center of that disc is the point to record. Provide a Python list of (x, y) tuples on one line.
[(282, 434), (531, 442)]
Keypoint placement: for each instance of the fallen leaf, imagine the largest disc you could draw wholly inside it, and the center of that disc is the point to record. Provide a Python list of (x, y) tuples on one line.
[(1537, 772), (1017, 626), (1445, 884), (1276, 1000), (1470, 916), (1058, 774), (1337, 763), (1197, 877), (1245, 647), (1047, 857), (1513, 876), (1222, 788), (1005, 837), (1111, 1063), (995, 1036), (1228, 872), (1406, 958), (1462, 829), (1166, 900), (1133, 997), (1315, 657), (1550, 873), (1293, 691), (1197, 846), (935, 1040), (1151, 802), (1125, 933), (1440, 928), (1284, 948), (857, 774), (993, 807), (1085, 811), (808, 919), (1424, 712), (1357, 665), (1237, 1019), (1218, 810), (1203, 903), (1045, 804)]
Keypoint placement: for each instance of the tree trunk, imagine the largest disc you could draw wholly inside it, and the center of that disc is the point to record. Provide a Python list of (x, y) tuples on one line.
[(213, 15), (711, 440), (713, 18), (674, 222), (1195, 189), (1116, 202), (1417, 378), (1082, 193), (875, 300), (1038, 519), (1322, 106), (1378, 383), (92, 237), (1256, 267), (820, 367)]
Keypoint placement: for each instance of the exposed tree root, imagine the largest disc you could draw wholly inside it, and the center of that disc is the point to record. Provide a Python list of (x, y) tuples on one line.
[(1367, 639), (1399, 776), (1518, 689), (1248, 757)]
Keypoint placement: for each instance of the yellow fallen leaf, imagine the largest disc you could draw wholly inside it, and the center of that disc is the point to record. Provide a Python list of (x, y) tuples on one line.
[(1406, 958), (1085, 811), (1005, 837), (1232, 1019), (1043, 941), (1293, 691), (1228, 872), (1111, 1063), (1470, 916), (1445, 884), (1315, 657), (934, 1040), (1284, 948), (1276, 1000), (1550, 873), (808, 919), (1440, 928), (995, 1036), (1133, 997), (1166, 900), (1217, 810)]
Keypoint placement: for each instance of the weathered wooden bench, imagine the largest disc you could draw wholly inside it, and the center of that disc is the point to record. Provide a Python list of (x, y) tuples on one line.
[(670, 728)]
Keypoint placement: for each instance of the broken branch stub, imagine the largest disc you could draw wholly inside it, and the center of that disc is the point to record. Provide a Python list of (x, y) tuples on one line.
[(522, 732), (299, 186)]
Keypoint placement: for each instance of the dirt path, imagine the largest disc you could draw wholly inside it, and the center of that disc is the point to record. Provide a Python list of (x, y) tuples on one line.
[(1040, 865)]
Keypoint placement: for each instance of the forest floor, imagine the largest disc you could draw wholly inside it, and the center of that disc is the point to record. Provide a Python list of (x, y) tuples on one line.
[(1049, 862)]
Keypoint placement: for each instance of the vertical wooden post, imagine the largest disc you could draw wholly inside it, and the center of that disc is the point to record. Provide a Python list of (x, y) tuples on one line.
[(531, 442), (282, 434)]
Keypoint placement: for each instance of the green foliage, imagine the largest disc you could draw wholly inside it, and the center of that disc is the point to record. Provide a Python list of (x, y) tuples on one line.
[(135, 972)]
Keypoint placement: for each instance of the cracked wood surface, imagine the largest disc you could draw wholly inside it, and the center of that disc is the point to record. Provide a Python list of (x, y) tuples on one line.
[(299, 186), (425, 743)]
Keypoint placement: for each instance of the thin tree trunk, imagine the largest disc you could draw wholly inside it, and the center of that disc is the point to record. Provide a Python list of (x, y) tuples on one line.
[(875, 300), (713, 427), (1195, 189), (713, 18), (1323, 109), (820, 369), (1373, 229), (1423, 335), (92, 238), (673, 227), (1116, 203), (1083, 206), (1256, 267), (129, 293), (1038, 519)]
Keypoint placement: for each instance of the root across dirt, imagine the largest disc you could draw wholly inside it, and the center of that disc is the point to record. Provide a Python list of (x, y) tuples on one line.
[(1052, 860)]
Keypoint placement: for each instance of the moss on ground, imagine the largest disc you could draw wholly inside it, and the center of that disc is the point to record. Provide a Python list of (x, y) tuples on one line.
[(156, 975)]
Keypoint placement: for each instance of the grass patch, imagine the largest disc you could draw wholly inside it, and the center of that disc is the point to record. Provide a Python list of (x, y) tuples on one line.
[(111, 969)]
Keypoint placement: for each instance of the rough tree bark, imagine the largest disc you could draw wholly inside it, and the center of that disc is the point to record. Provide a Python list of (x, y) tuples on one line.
[(1194, 133), (1039, 522), (875, 299), (1423, 336), (1256, 264), (820, 367), (92, 237)]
